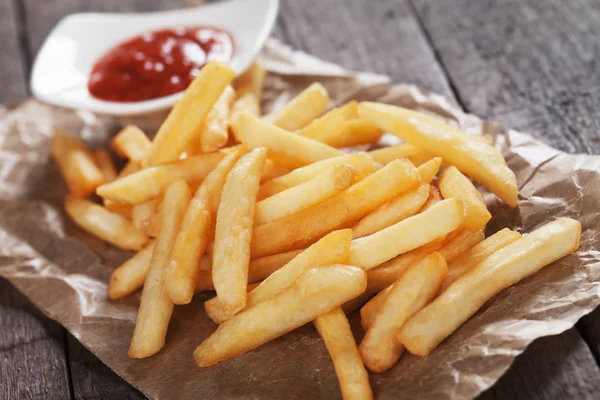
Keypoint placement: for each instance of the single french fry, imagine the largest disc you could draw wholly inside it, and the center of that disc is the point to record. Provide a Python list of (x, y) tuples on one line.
[(272, 170), (156, 306), (76, 164), (103, 224), (151, 182), (388, 154), (316, 292), (349, 368), (233, 230), (215, 132), (350, 110), (453, 183), (122, 209), (142, 213), (468, 259), (285, 148), (428, 169), (356, 132), (371, 307), (396, 210), (473, 157), (361, 162), (458, 242), (323, 186), (129, 169), (434, 197), (245, 104), (415, 289), (251, 81), (302, 109), (131, 142), (332, 249), (373, 250), (324, 129), (303, 228), (105, 164), (507, 266), (189, 114), (131, 275)]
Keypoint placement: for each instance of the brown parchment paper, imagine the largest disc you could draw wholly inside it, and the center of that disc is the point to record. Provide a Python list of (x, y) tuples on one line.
[(64, 271)]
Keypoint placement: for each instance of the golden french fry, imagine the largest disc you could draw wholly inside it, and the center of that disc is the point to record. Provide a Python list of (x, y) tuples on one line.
[(361, 162), (434, 197), (234, 230), (129, 169), (303, 228), (131, 142), (76, 164), (251, 81), (331, 249), (302, 109), (428, 169), (388, 154), (156, 306), (453, 183), (188, 114), (323, 186), (350, 110), (325, 129), (458, 242), (396, 210), (141, 215), (285, 148), (316, 292), (410, 293), (507, 266), (151, 182), (272, 170), (122, 209), (474, 157), (349, 368), (131, 275), (105, 164), (245, 104), (468, 259), (103, 224), (373, 250), (215, 132), (356, 132), (371, 307)]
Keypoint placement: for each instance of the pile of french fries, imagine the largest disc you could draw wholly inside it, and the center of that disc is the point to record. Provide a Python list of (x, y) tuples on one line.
[(288, 229)]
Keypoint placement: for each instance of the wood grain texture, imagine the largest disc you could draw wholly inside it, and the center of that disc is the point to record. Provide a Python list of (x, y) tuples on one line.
[(12, 70)]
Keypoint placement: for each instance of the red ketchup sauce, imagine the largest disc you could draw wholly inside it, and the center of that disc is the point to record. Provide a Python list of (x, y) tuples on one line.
[(158, 63)]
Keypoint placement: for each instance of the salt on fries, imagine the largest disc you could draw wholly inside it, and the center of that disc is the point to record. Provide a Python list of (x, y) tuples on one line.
[(289, 229)]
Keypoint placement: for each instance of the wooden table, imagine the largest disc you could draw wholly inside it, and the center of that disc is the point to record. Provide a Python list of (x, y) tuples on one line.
[(529, 64)]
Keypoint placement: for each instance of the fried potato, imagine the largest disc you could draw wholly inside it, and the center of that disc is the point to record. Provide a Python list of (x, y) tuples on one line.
[(76, 164), (349, 368), (434, 197), (272, 170), (122, 209), (350, 110), (371, 307), (302, 109), (130, 276), (373, 250), (189, 114), (251, 81), (129, 169), (473, 157), (360, 162), (396, 210), (142, 213), (333, 248), (156, 306), (507, 266), (103, 224), (105, 164), (468, 259), (323, 186), (285, 148), (316, 292), (305, 227), (458, 242), (245, 104), (453, 183), (233, 230), (388, 154), (428, 169), (131, 142), (415, 289), (150, 183), (215, 132)]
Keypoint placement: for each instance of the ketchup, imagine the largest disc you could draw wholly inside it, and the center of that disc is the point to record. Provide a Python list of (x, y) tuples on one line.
[(158, 63)]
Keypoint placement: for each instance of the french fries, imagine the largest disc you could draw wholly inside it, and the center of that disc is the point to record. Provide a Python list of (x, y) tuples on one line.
[(131, 275), (323, 186), (411, 292), (103, 224), (371, 307), (388, 154), (474, 157), (350, 110), (285, 148), (349, 368), (156, 306), (453, 183), (105, 164), (428, 169), (331, 249), (141, 215), (131, 142), (304, 227), (251, 81), (234, 230), (272, 171), (413, 232), (316, 292), (151, 182), (215, 132), (507, 266), (302, 109)]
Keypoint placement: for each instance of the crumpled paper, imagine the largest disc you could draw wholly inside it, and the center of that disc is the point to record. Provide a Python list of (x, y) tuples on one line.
[(65, 271)]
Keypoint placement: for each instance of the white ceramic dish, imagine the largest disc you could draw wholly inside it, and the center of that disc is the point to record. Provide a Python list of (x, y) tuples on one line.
[(62, 66)]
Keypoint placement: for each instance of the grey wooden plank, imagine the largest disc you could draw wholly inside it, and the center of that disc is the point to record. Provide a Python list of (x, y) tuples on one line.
[(589, 326), (32, 358), (12, 71)]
